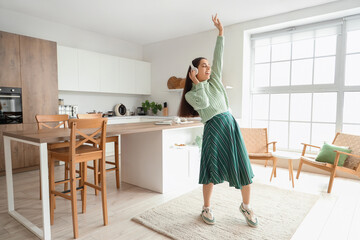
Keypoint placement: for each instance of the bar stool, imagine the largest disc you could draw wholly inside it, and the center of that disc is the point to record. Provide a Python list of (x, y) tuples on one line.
[(80, 153), (53, 121), (116, 164)]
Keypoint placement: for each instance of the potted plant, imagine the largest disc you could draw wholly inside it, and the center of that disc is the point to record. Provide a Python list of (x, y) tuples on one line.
[(154, 107)]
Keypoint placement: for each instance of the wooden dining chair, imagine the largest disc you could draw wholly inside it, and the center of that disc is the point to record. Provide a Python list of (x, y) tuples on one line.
[(53, 121), (82, 132), (116, 164)]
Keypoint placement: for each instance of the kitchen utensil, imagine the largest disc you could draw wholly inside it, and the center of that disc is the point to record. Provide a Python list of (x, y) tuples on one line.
[(140, 111), (120, 109)]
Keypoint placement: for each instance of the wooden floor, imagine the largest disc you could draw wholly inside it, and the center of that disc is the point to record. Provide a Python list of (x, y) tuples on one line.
[(334, 216)]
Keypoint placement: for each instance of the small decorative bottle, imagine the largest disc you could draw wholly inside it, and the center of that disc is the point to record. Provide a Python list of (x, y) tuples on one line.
[(165, 110)]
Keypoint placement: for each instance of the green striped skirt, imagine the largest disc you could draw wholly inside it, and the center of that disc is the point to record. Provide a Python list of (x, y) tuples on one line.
[(223, 154)]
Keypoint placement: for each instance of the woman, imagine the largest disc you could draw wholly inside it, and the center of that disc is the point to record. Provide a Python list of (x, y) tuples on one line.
[(223, 155)]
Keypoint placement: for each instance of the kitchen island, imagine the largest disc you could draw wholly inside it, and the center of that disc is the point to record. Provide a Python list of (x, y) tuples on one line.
[(159, 157), (148, 159)]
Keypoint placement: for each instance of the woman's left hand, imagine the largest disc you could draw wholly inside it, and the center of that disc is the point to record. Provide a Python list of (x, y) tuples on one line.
[(218, 24)]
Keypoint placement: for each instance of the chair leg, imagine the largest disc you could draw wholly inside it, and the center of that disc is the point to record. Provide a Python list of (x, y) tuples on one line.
[(266, 163), (96, 175), (103, 189), (52, 189), (73, 199), (299, 169), (66, 175), (332, 176), (83, 192), (117, 165)]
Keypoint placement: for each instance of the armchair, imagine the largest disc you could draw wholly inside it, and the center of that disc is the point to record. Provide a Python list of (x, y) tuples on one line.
[(257, 146), (351, 164)]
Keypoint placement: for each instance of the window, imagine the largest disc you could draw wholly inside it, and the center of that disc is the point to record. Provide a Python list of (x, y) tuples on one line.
[(305, 82)]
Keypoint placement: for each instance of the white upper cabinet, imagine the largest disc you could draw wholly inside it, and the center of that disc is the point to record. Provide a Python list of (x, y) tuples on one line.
[(89, 71), (127, 76), (81, 70), (67, 68), (109, 74), (142, 77)]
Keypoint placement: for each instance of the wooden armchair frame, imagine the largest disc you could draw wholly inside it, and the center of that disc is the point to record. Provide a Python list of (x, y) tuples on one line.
[(259, 152), (332, 168)]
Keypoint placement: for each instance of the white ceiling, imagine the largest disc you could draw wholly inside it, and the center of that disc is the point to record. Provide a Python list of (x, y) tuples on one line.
[(148, 21)]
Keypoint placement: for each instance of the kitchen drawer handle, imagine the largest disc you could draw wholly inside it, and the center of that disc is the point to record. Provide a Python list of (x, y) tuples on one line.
[(10, 96)]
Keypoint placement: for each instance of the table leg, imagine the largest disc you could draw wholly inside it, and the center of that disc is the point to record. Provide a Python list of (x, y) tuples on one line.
[(9, 176), (46, 233), (273, 173), (44, 170), (291, 174)]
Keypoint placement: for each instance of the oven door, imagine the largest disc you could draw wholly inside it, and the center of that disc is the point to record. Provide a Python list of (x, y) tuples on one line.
[(10, 106)]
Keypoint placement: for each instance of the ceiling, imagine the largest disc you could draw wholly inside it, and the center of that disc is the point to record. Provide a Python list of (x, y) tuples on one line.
[(149, 21)]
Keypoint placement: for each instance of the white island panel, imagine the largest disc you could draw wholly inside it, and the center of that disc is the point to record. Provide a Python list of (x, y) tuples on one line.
[(153, 161)]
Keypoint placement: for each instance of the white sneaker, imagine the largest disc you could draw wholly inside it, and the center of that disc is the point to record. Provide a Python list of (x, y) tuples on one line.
[(208, 216), (249, 215)]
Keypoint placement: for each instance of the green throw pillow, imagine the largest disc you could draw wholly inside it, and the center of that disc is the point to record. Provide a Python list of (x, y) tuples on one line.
[(328, 155)]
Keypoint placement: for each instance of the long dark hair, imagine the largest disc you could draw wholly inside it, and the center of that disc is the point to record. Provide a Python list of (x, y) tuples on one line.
[(185, 109)]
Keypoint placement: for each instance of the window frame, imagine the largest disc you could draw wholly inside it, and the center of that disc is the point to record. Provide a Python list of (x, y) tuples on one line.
[(339, 77)]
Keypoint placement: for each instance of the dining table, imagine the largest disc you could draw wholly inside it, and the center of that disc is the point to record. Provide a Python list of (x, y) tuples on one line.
[(41, 138)]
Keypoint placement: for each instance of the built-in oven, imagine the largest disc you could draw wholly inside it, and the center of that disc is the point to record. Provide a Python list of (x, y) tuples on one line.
[(10, 105)]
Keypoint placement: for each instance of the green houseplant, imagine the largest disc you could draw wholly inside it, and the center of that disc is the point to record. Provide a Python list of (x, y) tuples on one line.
[(155, 107)]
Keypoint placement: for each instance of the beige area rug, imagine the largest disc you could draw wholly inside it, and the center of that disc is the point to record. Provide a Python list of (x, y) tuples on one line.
[(279, 212)]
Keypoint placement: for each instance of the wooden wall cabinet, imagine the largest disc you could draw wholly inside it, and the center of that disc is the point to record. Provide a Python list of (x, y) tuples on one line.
[(9, 60), (38, 77), (31, 64)]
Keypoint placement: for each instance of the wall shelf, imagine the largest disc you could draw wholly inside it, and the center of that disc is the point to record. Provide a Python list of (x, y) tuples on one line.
[(175, 90)]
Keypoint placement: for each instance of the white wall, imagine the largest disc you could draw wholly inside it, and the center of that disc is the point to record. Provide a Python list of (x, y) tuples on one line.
[(172, 57), (73, 37)]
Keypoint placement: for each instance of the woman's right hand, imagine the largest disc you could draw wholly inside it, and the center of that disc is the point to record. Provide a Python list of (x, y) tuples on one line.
[(218, 24), (192, 75)]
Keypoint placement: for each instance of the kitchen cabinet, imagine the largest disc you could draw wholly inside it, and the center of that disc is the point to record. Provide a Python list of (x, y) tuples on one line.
[(9, 60), (151, 160), (142, 77), (38, 77), (16, 148), (31, 64), (89, 71), (109, 74), (127, 79), (86, 71), (68, 68)]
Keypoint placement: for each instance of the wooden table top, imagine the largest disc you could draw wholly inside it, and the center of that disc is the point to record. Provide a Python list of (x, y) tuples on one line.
[(61, 134)]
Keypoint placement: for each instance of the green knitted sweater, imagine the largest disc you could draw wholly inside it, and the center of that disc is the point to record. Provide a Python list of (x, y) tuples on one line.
[(209, 98)]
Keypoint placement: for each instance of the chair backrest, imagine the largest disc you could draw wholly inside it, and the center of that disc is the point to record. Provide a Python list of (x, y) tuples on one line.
[(52, 121), (353, 142), (89, 131), (255, 139), (89, 116)]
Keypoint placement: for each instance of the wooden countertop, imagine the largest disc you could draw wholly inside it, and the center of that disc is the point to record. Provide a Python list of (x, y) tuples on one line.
[(61, 134)]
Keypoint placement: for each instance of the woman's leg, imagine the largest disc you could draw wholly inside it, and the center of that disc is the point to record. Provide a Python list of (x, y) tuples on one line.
[(249, 215), (245, 192), (207, 191), (206, 213)]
